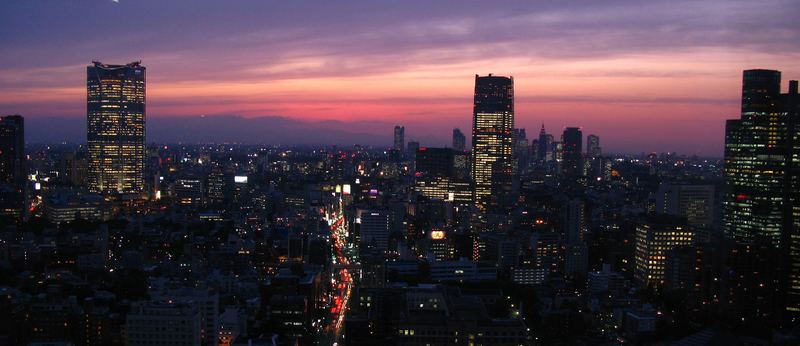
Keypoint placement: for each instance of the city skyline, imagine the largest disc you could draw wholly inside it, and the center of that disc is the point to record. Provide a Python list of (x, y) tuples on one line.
[(210, 173), (630, 84)]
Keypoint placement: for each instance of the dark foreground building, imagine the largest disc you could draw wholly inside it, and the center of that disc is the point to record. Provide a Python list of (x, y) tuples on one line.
[(762, 183)]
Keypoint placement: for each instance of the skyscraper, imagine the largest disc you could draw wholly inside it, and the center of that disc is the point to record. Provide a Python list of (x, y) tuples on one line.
[(116, 127), (459, 141), (754, 161), (399, 138), (492, 140), (593, 146), (521, 150), (12, 150), (572, 144), (762, 182), (544, 145), (12, 166), (375, 229)]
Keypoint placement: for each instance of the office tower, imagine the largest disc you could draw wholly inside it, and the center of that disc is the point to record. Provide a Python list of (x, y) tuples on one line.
[(188, 191), (440, 246), (572, 144), (754, 161), (576, 256), (654, 238), (399, 138), (762, 183), (544, 145), (791, 211), (459, 141), (220, 186), (116, 127), (519, 134), (574, 213), (521, 149), (547, 250), (12, 150), (13, 170), (593, 146), (492, 140), (73, 168), (594, 162), (375, 229), (412, 148), (432, 162), (694, 202), (448, 189), (550, 150)]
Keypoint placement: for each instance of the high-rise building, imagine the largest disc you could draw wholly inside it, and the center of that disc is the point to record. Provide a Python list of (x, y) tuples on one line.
[(593, 146), (459, 141), (375, 229), (116, 127), (762, 180), (188, 191), (655, 237), (399, 138), (594, 161), (754, 162), (521, 150), (432, 162), (694, 202), (12, 150), (492, 140), (13, 170), (572, 146), (544, 146)]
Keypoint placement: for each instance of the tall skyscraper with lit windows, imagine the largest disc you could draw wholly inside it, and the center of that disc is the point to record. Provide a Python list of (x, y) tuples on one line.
[(754, 163), (492, 140), (761, 198), (115, 114)]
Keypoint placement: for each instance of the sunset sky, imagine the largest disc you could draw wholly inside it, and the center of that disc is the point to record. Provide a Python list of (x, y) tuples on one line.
[(643, 75)]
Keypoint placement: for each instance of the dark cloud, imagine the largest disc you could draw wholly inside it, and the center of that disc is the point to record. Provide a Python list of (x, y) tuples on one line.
[(232, 40)]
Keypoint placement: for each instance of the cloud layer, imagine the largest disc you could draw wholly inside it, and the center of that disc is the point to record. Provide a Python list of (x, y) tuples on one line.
[(656, 75)]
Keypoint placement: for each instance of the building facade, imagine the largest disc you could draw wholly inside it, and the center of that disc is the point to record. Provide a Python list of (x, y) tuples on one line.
[(762, 182), (654, 238), (116, 127), (459, 141), (572, 152), (492, 140), (399, 138)]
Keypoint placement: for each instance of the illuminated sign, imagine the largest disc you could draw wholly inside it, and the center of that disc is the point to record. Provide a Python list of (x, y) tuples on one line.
[(437, 235), (346, 189), (240, 179)]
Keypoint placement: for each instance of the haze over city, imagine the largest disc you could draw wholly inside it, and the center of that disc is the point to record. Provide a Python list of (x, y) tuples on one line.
[(645, 76)]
